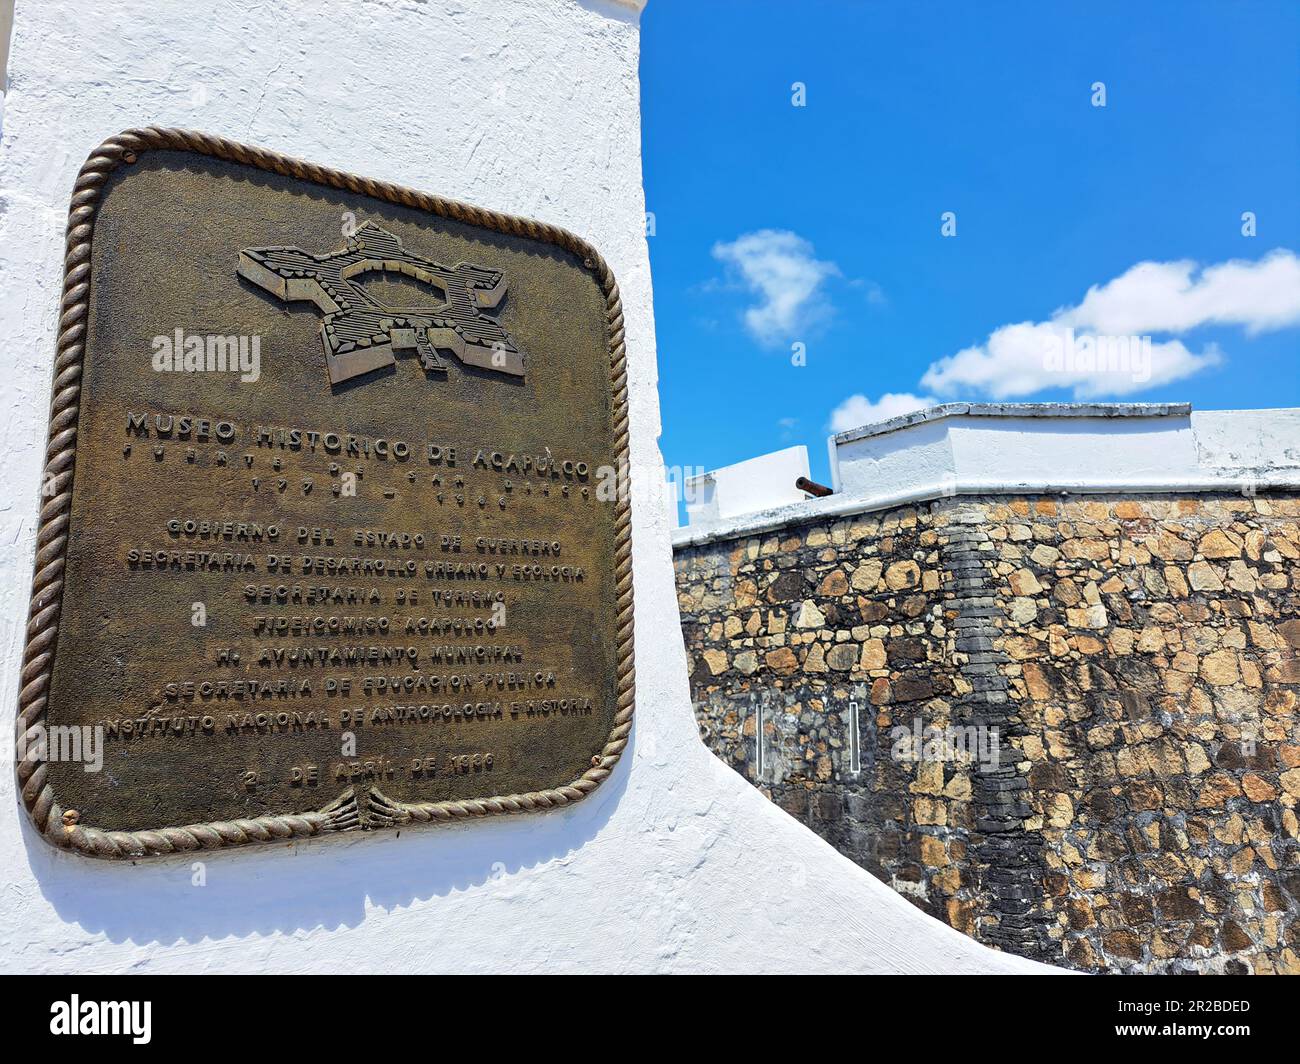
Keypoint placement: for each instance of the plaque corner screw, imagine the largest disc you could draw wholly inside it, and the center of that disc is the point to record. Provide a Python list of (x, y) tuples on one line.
[(70, 819), (595, 760), (129, 157)]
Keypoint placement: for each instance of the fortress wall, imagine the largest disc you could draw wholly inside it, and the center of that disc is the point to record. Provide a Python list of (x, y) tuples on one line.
[(674, 863), (1136, 656)]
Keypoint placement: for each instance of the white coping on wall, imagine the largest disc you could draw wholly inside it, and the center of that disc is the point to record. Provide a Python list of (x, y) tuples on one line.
[(675, 863), (1040, 448)]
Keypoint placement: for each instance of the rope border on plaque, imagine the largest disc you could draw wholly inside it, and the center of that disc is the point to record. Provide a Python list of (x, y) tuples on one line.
[(350, 811)]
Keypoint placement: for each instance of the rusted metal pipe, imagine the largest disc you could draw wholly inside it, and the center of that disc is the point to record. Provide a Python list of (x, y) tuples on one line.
[(819, 491)]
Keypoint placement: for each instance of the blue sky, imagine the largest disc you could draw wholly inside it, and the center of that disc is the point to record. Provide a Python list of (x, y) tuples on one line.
[(821, 224)]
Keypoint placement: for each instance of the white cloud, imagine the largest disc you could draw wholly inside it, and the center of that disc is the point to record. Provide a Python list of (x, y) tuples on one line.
[(1018, 360), (781, 270), (875, 295), (1086, 347), (858, 410), (1154, 297)]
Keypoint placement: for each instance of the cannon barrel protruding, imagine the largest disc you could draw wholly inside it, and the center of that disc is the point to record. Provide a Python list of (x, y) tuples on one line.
[(819, 491)]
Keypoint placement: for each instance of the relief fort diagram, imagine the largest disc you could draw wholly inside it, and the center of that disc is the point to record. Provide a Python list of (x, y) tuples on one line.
[(361, 334)]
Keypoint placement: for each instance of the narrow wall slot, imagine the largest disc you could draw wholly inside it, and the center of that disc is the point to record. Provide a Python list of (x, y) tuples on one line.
[(855, 741)]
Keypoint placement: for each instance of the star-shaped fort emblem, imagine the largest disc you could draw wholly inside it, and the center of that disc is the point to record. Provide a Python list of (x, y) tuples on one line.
[(360, 333)]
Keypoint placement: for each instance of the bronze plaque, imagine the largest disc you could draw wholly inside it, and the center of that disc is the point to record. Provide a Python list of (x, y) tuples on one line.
[(335, 534)]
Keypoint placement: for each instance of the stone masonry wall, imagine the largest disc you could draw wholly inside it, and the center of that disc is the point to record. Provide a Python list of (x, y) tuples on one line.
[(1134, 658)]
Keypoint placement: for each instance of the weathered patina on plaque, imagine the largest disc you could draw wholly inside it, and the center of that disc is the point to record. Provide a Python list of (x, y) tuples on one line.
[(334, 536)]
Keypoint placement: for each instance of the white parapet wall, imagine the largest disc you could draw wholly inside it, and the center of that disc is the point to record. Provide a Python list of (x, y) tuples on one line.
[(1085, 446), (757, 484), (675, 863), (1040, 448)]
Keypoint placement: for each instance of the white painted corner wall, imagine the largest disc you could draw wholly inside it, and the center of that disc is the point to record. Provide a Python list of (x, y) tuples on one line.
[(675, 864), (1087, 447), (1036, 448), (755, 484)]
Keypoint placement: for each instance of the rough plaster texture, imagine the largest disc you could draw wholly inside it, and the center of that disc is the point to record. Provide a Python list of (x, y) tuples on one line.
[(675, 863)]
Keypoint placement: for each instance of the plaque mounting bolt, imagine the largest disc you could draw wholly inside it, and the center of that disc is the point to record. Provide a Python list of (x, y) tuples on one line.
[(129, 157), (595, 760), (70, 819)]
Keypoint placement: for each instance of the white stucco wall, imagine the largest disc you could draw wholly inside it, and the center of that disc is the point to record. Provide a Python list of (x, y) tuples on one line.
[(1018, 444), (1248, 443), (1068, 446), (1039, 448), (755, 484), (675, 863)]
